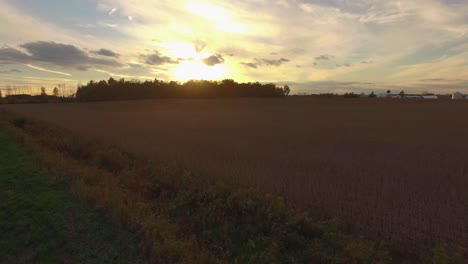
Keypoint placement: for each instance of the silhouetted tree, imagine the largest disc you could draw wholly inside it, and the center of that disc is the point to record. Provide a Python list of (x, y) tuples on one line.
[(372, 95), (43, 91), (55, 92), (402, 93), (351, 95), (134, 89), (286, 90)]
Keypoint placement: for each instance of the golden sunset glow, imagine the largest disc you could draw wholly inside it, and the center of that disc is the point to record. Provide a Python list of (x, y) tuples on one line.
[(208, 11), (188, 70), (191, 64), (313, 46)]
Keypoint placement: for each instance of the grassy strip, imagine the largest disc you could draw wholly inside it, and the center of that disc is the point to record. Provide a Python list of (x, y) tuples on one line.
[(185, 219), (41, 222)]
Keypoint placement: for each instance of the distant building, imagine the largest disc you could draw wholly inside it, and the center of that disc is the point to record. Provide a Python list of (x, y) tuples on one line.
[(457, 96), (385, 95), (430, 97)]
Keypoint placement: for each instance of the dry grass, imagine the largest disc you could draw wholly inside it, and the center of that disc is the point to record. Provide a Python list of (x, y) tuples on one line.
[(394, 168)]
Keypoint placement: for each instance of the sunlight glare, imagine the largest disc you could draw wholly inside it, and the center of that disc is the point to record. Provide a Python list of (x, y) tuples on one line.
[(209, 11), (223, 21), (196, 70)]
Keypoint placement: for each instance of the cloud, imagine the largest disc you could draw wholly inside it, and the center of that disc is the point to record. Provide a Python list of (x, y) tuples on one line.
[(272, 62), (55, 54), (112, 11), (431, 34), (157, 59), (213, 60), (105, 52), (439, 80), (263, 62), (10, 55), (46, 70), (199, 46), (324, 57), (250, 64), (10, 71), (130, 18)]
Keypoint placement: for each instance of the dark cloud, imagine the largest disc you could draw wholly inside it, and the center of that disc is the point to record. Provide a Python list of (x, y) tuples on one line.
[(61, 54), (250, 64), (272, 62), (366, 62), (157, 59), (105, 52), (347, 65), (213, 60), (10, 55), (11, 71), (263, 62), (324, 57), (298, 66), (52, 53)]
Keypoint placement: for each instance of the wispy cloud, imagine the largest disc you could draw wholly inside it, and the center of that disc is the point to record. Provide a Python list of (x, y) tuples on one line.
[(46, 70), (112, 11), (9, 71)]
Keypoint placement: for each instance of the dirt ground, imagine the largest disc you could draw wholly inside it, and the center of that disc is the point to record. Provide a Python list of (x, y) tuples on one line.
[(398, 168)]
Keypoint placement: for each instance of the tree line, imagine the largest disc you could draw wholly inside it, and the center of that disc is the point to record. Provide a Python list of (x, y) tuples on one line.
[(134, 89)]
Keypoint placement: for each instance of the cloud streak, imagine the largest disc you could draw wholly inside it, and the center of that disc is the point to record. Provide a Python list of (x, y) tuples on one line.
[(112, 11), (105, 52), (265, 62), (10, 71), (46, 70)]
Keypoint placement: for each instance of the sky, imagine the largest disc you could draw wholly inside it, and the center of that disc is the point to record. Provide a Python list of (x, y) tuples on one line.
[(314, 46)]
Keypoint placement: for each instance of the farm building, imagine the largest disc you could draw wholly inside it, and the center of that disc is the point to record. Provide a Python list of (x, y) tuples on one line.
[(383, 95), (457, 96)]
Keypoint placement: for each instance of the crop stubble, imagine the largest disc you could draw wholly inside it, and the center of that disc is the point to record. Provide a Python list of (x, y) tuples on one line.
[(398, 168)]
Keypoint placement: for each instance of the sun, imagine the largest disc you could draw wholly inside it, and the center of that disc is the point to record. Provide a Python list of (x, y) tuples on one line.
[(191, 66), (196, 70)]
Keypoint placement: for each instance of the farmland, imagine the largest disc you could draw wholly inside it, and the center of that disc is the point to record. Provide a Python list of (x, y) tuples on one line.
[(393, 168)]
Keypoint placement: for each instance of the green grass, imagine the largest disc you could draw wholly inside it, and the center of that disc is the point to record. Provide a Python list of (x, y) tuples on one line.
[(42, 222)]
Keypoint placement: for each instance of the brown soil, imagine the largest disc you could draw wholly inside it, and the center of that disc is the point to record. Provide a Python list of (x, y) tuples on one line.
[(398, 168)]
